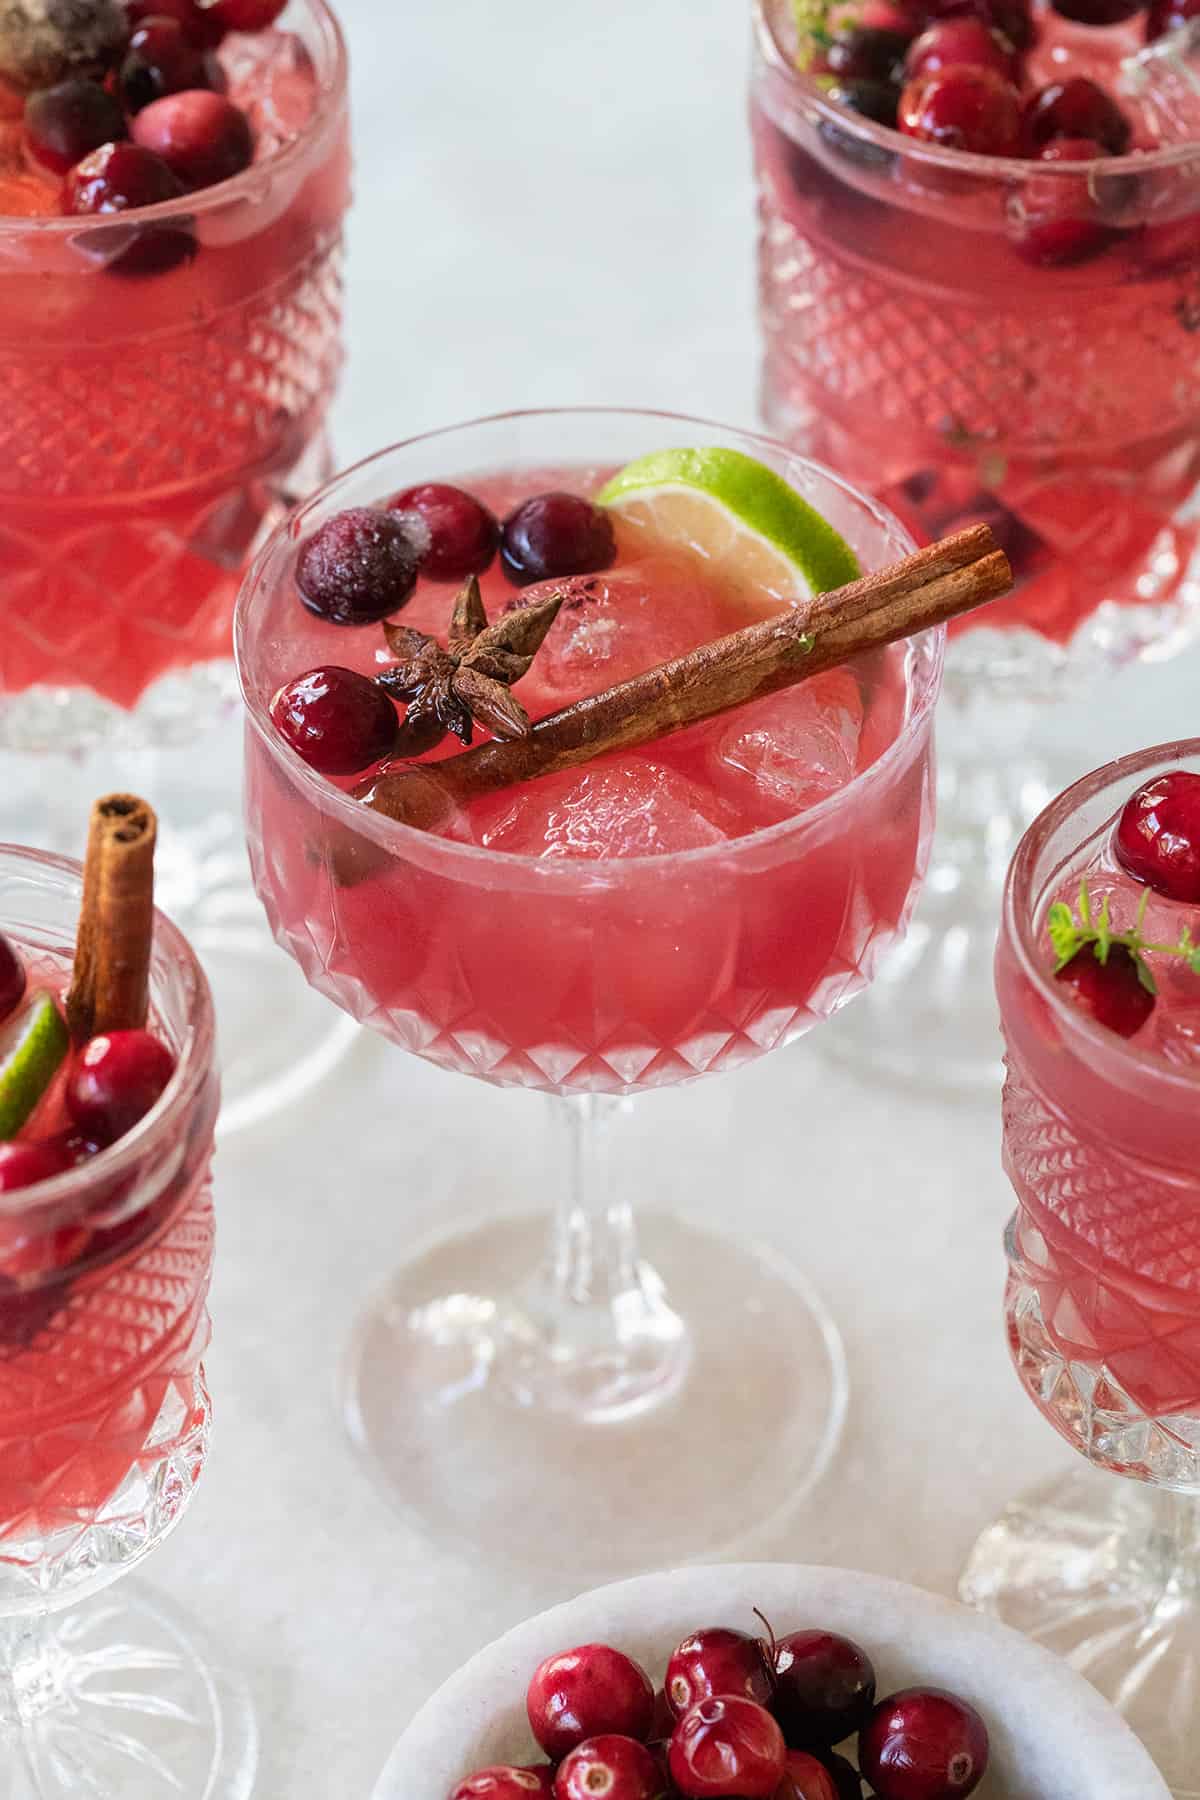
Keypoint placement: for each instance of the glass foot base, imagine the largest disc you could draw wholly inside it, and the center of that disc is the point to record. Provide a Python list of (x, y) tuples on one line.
[(121, 1699), (1088, 1565), (725, 1414)]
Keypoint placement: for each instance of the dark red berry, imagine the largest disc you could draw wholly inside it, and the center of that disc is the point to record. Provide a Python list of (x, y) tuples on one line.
[(875, 100), (359, 567), (12, 978), (1168, 15), (1055, 221), (608, 1768), (727, 1748), (64, 124), (1097, 12), (337, 720), (119, 178), (847, 1783), (1111, 992), (200, 23), (1158, 836), (460, 534), (115, 1080), (923, 1744), (824, 1688), (161, 59), (587, 1692), (202, 137), (245, 15), (503, 1781), (861, 53), (804, 1778), (22, 1164), (717, 1661), (955, 42), (963, 109), (1076, 108), (1013, 19), (556, 534)]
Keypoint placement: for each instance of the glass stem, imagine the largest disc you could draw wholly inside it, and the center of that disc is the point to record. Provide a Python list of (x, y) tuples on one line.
[(32, 1665), (593, 1252)]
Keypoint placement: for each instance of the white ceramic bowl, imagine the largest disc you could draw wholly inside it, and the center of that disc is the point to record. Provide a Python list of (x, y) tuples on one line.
[(1053, 1737)]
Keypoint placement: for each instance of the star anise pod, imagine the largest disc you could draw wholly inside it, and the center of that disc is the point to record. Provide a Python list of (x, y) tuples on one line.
[(468, 681)]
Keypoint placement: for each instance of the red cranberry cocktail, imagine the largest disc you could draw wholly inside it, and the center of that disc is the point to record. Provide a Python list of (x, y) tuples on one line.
[(645, 917), (1098, 974)]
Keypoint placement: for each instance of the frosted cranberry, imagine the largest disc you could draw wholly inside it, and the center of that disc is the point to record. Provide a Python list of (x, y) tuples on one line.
[(556, 534), (1077, 108), (202, 137), (115, 1080), (337, 720), (717, 1661), (461, 534), (1158, 836), (863, 54), (119, 178), (1168, 15), (727, 1748), (825, 1688), (359, 567), (955, 42), (1055, 221), (608, 1768), (963, 109), (804, 1778), (200, 23), (1111, 992), (587, 1692), (1097, 12), (923, 1744), (12, 978), (505, 1782), (22, 1164), (245, 15), (64, 124)]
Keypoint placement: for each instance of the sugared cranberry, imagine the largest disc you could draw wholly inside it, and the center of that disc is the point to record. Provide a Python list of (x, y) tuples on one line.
[(860, 53), (119, 178), (963, 109), (1111, 992), (461, 535), (115, 1080), (12, 978), (505, 1782), (923, 1744), (161, 59), (954, 42), (727, 1748), (359, 567), (22, 1164), (556, 534), (1076, 108), (337, 720), (717, 1661), (244, 15), (200, 23), (608, 1768), (825, 1688), (1158, 836), (202, 137), (804, 1778), (1054, 222), (1168, 15), (591, 1691), (64, 124), (1097, 12)]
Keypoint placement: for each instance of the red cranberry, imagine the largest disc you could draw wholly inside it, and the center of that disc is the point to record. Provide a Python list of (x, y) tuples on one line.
[(119, 178), (24, 1163), (963, 109), (161, 59), (727, 1747), (200, 23), (556, 534), (1168, 15), (825, 1688), (359, 567), (244, 15), (1097, 12), (1158, 836), (1076, 108), (12, 978), (875, 100), (608, 1768), (847, 1783), (116, 1079), (202, 137), (923, 1744), (1013, 19), (954, 42), (804, 1778), (1111, 992), (592, 1691), (861, 53), (717, 1661), (337, 720), (63, 124), (504, 1782), (462, 534), (1054, 221)]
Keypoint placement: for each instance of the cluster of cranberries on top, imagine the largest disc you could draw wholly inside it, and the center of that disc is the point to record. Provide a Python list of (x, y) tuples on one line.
[(362, 566), (737, 1718)]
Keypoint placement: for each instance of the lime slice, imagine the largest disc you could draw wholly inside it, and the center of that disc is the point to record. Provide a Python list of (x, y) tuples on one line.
[(32, 1048), (757, 535)]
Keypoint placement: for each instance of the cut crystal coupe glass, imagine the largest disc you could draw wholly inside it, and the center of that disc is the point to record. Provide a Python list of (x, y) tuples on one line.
[(155, 428), (908, 343), (104, 1418), (1102, 1145), (615, 1392)]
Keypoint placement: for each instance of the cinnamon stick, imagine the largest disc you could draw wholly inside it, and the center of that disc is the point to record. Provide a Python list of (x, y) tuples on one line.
[(935, 584), (110, 985)]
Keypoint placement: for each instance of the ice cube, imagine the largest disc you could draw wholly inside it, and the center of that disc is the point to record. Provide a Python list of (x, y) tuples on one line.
[(625, 806), (1165, 80), (793, 749), (271, 78)]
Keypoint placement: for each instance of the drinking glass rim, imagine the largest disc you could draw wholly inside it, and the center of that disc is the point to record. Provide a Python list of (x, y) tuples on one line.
[(169, 1111), (1019, 916), (394, 834), (995, 168), (330, 95)]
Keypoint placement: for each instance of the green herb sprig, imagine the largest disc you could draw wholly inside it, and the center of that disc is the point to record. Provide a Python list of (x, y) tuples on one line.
[(1070, 933)]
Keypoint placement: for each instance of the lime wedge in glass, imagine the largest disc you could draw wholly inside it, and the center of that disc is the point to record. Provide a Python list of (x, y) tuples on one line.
[(32, 1047)]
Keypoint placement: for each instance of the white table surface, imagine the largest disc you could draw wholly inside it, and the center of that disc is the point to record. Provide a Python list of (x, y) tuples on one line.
[(554, 205)]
